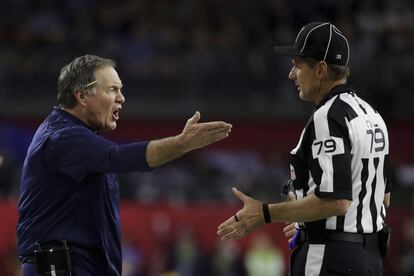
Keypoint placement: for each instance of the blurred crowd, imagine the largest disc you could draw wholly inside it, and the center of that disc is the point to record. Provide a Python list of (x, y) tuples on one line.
[(177, 56), (184, 257), (213, 54), (208, 177)]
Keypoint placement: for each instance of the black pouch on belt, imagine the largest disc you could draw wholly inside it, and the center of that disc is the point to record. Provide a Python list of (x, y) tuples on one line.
[(53, 260), (384, 240)]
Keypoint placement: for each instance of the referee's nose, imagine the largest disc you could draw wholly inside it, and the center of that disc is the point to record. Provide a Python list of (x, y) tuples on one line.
[(292, 74)]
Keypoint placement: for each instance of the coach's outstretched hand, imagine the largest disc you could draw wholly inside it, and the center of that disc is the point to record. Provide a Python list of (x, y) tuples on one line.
[(196, 135), (245, 221)]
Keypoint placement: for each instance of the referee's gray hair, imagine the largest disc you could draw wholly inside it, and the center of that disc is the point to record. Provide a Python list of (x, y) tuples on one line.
[(79, 75), (338, 72), (335, 72)]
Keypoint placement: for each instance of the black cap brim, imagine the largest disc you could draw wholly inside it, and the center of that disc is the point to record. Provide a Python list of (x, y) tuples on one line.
[(287, 50)]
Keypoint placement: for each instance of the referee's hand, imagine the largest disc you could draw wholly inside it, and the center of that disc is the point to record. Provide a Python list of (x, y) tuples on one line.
[(244, 221), (290, 230)]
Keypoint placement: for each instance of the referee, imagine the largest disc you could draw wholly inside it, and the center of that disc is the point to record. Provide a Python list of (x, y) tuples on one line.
[(338, 169)]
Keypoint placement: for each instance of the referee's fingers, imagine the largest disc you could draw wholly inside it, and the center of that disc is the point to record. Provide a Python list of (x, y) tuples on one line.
[(240, 195), (290, 233), (289, 227), (225, 226), (292, 196)]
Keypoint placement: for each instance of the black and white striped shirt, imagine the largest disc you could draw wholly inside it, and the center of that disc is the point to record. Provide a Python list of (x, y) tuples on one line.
[(343, 154)]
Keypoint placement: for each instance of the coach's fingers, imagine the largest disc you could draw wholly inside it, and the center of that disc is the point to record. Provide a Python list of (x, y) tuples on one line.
[(215, 126), (220, 135), (194, 119)]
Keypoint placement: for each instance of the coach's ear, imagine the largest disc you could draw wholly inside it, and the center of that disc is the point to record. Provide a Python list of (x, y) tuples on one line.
[(80, 97)]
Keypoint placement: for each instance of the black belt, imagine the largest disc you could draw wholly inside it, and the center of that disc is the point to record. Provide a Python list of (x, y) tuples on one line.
[(324, 236)]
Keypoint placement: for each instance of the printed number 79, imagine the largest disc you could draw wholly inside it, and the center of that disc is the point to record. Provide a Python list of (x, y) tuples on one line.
[(377, 137), (330, 146)]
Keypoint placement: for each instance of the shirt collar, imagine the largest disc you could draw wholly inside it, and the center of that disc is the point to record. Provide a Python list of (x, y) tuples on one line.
[(71, 117), (339, 89)]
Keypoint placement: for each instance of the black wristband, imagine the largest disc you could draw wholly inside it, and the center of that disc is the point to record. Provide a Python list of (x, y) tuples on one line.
[(266, 214)]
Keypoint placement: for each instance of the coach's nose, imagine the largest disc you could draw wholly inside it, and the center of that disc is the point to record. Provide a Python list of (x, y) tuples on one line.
[(120, 98)]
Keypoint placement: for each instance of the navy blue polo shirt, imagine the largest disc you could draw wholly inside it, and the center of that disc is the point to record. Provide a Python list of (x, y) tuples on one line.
[(69, 191)]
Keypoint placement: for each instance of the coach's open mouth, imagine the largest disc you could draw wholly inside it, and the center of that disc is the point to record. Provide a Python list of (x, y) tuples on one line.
[(115, 114)]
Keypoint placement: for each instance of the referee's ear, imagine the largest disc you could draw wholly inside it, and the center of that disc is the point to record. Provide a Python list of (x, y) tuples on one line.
[(322, 70)]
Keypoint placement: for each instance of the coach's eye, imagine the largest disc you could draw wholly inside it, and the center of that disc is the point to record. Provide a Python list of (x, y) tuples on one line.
[(112, 91)]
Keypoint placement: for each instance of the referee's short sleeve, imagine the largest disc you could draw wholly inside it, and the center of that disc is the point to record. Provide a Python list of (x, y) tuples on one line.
[(387, 174), (331, 153)]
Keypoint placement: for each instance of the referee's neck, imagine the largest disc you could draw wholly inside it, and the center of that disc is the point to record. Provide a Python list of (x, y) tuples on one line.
[(326, 86)]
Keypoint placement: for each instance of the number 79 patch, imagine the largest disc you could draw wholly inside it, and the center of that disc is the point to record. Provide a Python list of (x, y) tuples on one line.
[(330, 146)]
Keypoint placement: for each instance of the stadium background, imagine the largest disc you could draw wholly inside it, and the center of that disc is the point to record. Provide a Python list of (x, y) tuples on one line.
[(215, 56)]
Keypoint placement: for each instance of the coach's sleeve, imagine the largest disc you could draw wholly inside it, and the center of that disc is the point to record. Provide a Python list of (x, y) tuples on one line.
[(331, 153), (78, 151)]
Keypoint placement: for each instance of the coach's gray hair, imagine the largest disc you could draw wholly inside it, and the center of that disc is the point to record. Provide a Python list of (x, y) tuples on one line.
[(79, 75)]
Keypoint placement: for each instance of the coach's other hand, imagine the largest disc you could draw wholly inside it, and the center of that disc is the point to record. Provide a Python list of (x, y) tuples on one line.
[(245, 221)]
